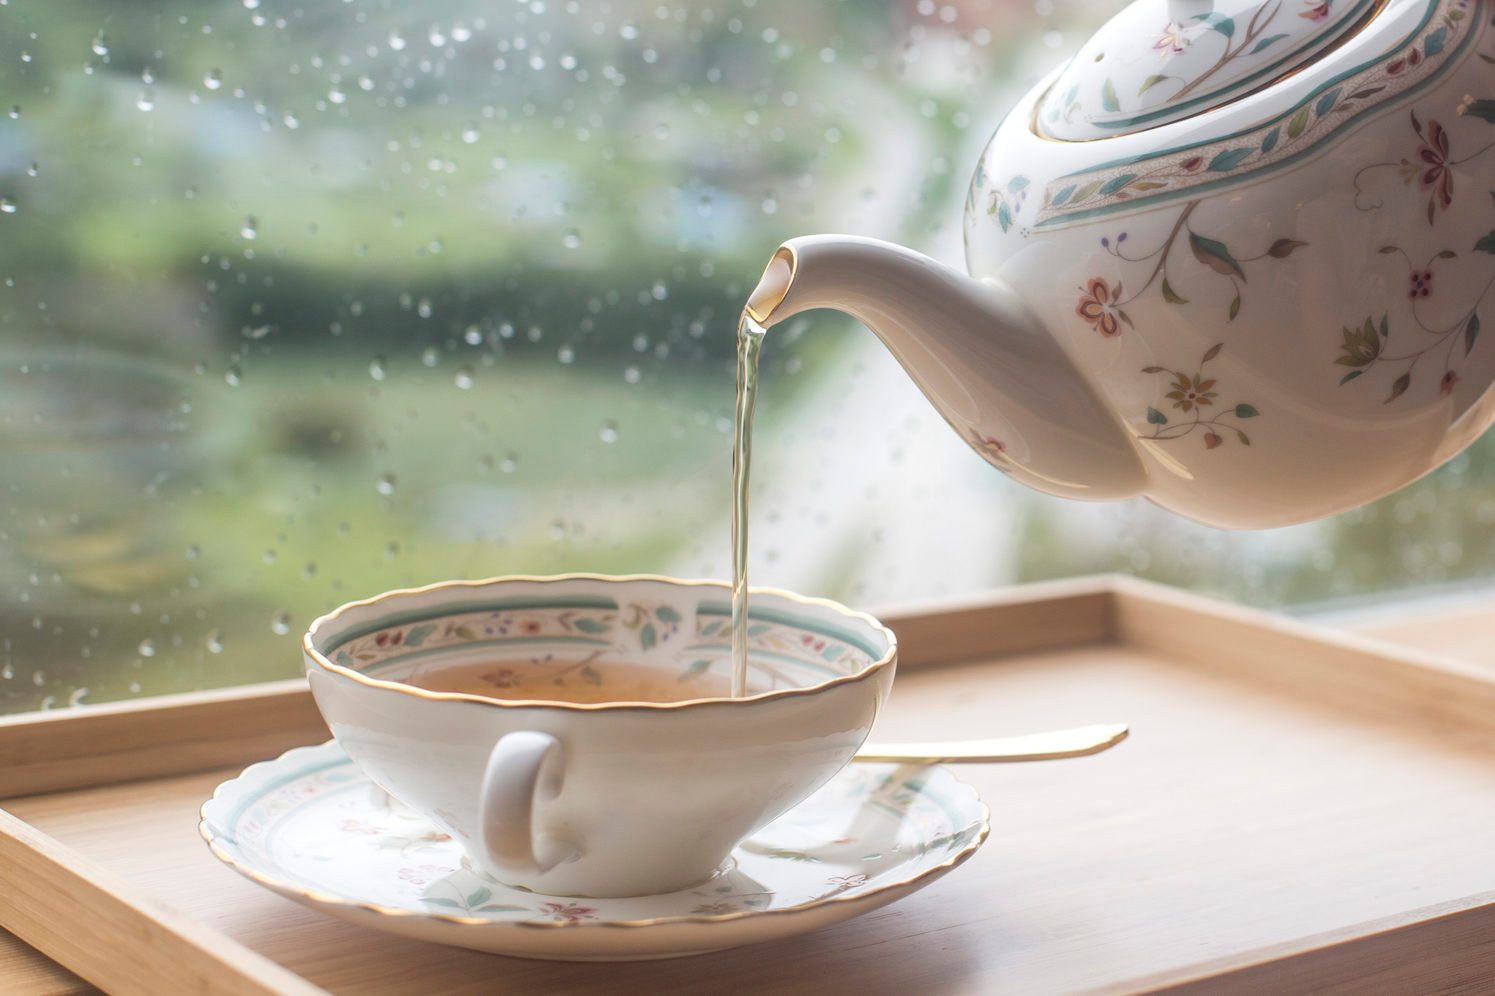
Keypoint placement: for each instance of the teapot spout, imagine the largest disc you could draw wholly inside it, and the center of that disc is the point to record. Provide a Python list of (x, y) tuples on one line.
[(977, 352)]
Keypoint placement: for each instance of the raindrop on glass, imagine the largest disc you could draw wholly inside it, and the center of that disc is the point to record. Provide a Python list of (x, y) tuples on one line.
[(146, 101), (473, 336), (609, 432), (376, 368), (336, 96), (281, 624), (213, 79), (385, 485), (7, 205), (572, 239), (15, 111), (233, 376), (509, 463), (99, 47), (470, 135), (214, 642), (147, 648), (251, 228), (430, 356), (464, 378)]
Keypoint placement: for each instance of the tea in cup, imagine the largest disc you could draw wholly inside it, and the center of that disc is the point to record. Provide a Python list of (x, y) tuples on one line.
[(576, 733)]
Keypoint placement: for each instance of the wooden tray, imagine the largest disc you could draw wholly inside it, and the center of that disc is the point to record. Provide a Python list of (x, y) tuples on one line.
[(1295, 811)]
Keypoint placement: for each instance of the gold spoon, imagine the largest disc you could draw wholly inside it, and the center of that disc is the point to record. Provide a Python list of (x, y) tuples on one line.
[(1050, 746)]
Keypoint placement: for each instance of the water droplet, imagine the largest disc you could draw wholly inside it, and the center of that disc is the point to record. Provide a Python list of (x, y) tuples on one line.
[(15, 112), (233, 376), (386, 484), (609, 432), (423, 307), (336, 96), (7, 205), (213, 79), (268, 556), (99, 47), (430, 356), (464, 378), (391, 550), (147, 648), (632, 375), (376, 368), (566, 354), (470, 135), (309, 571), (509, 463), (396, 42), (252, 4), (251, 228), (281, 624), (214, 642), (146, 101), (473, 336), (572, 239)]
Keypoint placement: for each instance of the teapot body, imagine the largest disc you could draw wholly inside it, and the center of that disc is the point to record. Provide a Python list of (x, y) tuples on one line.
[(1281, 299)]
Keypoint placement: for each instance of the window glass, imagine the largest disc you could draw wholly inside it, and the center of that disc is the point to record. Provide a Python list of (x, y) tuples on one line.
[(300, 301)]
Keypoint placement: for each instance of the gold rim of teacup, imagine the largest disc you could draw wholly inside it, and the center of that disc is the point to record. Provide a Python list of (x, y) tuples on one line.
[(322, 661)]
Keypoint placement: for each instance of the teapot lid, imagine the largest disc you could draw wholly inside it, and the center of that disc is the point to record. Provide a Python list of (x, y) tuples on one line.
[(1159, 61)]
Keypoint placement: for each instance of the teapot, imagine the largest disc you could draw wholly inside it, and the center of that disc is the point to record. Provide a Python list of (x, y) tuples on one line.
[(1234, 256)]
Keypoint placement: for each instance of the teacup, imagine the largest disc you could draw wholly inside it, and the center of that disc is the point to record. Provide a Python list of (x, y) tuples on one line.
[(574, 732)]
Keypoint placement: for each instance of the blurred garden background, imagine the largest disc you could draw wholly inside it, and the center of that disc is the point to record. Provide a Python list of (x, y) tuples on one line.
[(300, 301)]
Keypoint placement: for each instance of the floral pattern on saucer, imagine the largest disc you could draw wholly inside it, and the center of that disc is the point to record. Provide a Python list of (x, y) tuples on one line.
[(310, 826)]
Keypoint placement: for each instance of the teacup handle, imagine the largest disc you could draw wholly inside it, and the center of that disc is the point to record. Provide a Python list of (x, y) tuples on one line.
[(523, 768)]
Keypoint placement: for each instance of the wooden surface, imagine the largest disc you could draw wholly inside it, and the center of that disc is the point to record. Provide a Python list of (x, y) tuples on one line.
[(1264, 829)]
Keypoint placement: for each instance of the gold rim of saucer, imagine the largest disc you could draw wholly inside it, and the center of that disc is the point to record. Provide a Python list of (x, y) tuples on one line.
[(321, 660), (326, 898)]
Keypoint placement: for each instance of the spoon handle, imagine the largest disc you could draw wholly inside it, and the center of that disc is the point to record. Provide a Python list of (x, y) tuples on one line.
[(1051, 746)]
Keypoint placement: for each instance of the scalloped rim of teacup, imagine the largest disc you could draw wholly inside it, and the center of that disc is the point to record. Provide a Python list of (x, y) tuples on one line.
[(321, 660)]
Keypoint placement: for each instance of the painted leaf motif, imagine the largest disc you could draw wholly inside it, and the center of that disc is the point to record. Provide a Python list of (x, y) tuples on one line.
[(1017, 183), (591, 625), (1116, 183), (1218, 22), (1349, 377), (1108, 97), (591, 674), (445, 903), (1150, 82), (464, 632), (1435, 41), (1245, 439), (1211, 353), (1270, 142), (1326, 102), (1482, 109), (1360, 347), (667, 615), (1063, 195), (1235, 307), (1447, 254), (1156, 417), (696, 668), (1266, 43), (1298, 123), (647, 637), (1228, 160), (1246, 411), (1215, 256), (1004, 216), (1283, 248), (1471, 332), (1486, 244), (480, 897), (417, 634), (1152, 370), (1087, 190), (1399, 387), (1172, 296)]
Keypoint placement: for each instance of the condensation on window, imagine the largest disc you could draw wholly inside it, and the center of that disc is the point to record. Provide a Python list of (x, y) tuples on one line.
[(301, 301)]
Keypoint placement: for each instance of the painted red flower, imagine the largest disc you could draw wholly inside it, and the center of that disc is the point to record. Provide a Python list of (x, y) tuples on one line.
[(530, 626), (1192, 164), (1422, 284), (504, 677), (1435, 176), (570, 912), (1446, 385), (1316, 11), (1098, 306)]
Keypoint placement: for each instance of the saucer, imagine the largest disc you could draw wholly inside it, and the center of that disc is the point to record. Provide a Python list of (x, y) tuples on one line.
[(310, 826)]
